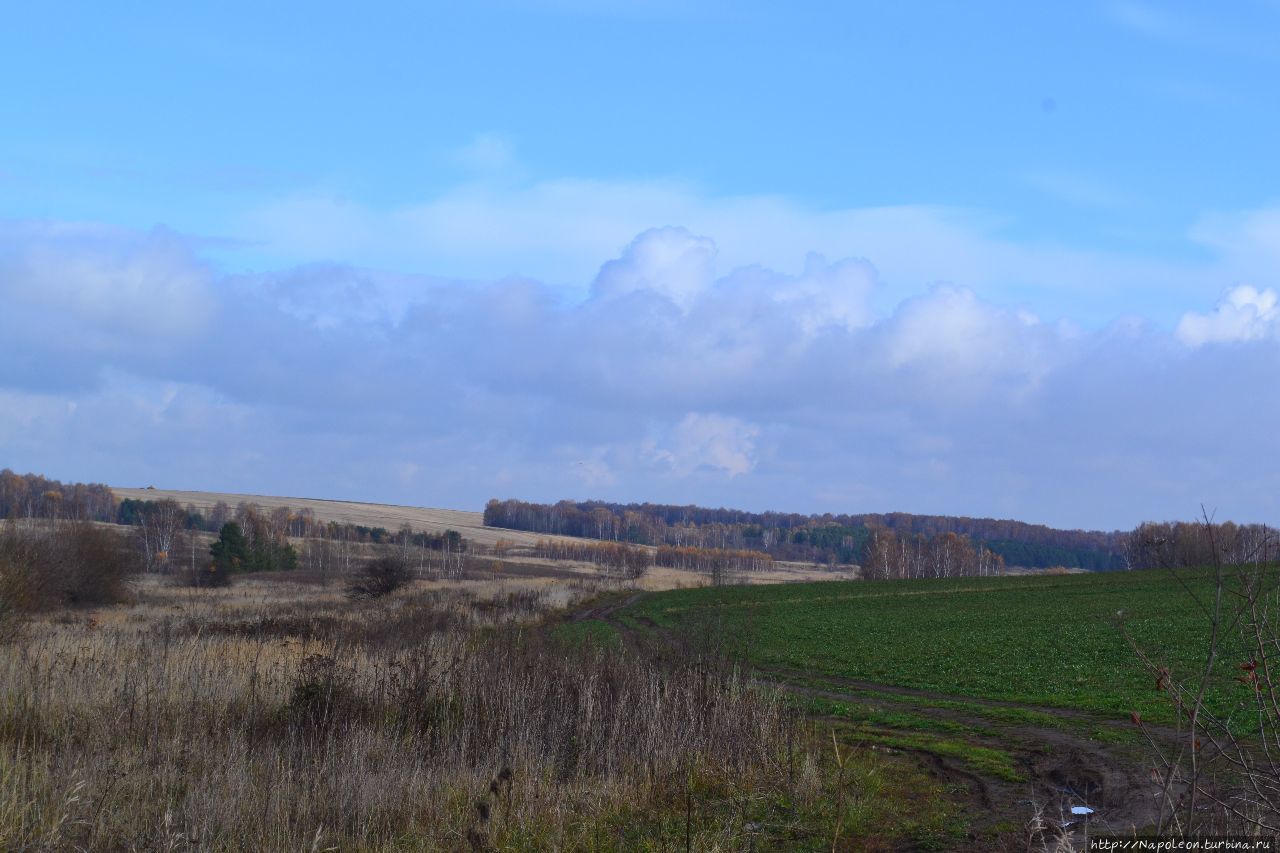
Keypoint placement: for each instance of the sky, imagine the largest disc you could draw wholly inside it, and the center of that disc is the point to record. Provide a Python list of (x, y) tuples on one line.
[(985, 259)]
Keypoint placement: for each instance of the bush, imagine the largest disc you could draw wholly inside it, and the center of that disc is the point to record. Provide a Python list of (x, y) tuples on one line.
[(213, 574), (323, 693), (98, 565), (379, 577), (69, 563), (21, 553)]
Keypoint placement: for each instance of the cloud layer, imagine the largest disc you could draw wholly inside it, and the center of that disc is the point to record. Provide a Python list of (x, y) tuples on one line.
[(677, 374)]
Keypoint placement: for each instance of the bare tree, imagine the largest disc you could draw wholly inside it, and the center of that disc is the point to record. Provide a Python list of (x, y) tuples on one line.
[(1220, 771), (219, 515), (158, 526)]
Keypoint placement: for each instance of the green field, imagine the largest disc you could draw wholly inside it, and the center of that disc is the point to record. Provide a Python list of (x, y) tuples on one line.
[(1047, 640)]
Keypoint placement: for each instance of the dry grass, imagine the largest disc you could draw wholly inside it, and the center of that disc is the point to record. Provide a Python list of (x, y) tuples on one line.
[(277, 715)]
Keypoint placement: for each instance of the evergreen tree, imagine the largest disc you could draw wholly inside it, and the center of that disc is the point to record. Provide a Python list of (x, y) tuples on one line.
[(231, 552)]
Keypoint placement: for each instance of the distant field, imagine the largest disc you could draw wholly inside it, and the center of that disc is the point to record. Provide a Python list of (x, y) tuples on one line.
[(469, 524), (390, 516), (1051, 641)]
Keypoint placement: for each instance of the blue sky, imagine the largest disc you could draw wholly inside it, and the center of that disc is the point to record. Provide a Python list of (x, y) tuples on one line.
[(861, 256)]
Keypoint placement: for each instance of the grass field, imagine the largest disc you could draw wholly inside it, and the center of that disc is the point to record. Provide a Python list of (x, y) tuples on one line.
[(1050, 640), (1015, 690), (1018, 690)]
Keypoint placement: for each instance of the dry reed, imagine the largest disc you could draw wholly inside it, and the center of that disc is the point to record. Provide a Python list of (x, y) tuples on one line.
[(273, 716)]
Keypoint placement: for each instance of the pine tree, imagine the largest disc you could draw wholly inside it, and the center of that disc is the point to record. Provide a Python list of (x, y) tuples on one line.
[(231, 552)]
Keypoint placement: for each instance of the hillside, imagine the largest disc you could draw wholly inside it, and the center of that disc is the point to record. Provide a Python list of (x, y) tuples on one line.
[(390, 516)]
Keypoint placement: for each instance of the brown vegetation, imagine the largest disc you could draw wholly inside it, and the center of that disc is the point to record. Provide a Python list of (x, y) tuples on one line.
[(946, 556), (273, 716), (50, 564), (824, 538), (1220, 773), (1182, 544), (714, 561), (28, 496), (379, 577), (615, 558)]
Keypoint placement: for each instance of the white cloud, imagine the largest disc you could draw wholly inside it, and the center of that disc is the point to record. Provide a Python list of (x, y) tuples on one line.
[(710, 441), (1244, 314), (952, 333), (103, 282), (826, 295), (675, 376), (559, 230), (667, 261)]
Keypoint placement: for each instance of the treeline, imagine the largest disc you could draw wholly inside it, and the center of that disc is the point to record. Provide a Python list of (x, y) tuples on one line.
[(295, 523), (712, 560), (256, 552), (782, 537), (1031, 555), (165, 532), (629, 561), (320, 545), (823, 538), (33, 496), (1182, 544), (947, 555)]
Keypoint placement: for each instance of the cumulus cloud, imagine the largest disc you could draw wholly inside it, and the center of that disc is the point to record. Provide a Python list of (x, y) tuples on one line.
[(560, 230), (673, 375), (670, 262), (1244, 314), (951, 331)]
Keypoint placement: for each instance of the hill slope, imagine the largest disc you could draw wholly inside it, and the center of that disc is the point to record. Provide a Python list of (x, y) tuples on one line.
[(390, 516)]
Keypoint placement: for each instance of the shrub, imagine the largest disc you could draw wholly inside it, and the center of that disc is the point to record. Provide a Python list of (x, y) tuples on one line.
[(20, 554), (69, 563), (98, 565), (10, 617), (212, 574), (322, 693), (380, 577)]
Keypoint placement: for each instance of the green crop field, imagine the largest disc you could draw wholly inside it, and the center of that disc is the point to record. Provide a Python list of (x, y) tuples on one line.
[(1047, 640)]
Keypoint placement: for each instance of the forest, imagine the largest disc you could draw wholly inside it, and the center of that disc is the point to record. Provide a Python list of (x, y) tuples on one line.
[(685, 536), (826, 538)]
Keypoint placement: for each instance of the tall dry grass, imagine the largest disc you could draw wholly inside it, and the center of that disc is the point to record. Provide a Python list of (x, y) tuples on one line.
[(275, 716)]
